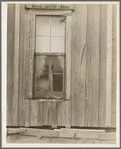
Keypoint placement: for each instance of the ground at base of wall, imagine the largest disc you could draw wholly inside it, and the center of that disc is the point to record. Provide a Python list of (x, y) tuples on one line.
[(18, 138)]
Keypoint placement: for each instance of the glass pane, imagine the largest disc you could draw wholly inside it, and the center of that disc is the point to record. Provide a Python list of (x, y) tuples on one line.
[(42, 44), (57, 28), (57, 44), (58, 82), (42, 64), (42, 82), (41, 71), (57, 64), (42, 26)]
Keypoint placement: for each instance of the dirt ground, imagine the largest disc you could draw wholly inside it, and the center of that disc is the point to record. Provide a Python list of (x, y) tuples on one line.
[(17, 138)]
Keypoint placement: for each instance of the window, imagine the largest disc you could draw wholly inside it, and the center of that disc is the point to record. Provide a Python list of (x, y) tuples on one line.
[(47, 54), (50, 57)]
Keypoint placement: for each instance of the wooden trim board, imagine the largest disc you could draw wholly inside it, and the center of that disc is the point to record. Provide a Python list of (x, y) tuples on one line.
[(109, 65)]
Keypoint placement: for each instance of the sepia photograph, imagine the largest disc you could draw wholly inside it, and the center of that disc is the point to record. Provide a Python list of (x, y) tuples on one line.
[(60, 74)]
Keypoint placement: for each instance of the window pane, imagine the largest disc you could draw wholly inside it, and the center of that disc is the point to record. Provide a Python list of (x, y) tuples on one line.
[(42, 82), (41, 73), (57, 44), (57, 64), (42, 64), (57, 28), (42, 26), (58, 82), (42, 44)]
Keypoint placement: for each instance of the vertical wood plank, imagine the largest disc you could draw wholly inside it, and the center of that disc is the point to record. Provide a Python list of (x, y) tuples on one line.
[(95, 66), (73, 76), (54, 114), (68, 114), (21, 65), (40, 113), (89, 66), (109, 65), (114, 66), (102, 64), (68, 68), (26, 54), (81, 62), (63, 113), (45, 113), (27, 105), (16, 65), (50, 113), (31, 56), (34, 113), (10, 61), (68, 55), (77, 67), (60, 114)]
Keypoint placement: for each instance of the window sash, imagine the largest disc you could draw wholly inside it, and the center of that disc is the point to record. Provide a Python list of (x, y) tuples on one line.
[(51, 93), (28, 77)]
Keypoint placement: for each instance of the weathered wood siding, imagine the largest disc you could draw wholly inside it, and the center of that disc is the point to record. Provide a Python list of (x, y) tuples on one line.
[(10, 57), (93, 38)]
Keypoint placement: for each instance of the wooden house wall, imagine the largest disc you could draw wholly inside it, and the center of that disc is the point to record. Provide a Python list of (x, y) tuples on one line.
[(89, 78)]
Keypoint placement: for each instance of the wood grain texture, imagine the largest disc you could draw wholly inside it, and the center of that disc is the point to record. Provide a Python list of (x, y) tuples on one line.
[(31, 56), (81, 65), (68, 69), (102, 64), (26, 53), (16, 65), (109, 65), (114, 65), (50, 113), (54, 114), (68, 114), (60, 114), (34, 113), (68, 55), (40, 113), (27, 105), (63, 106), (21, 66), (49, 12), (73, 76), (45, 113), (10, 61), (77, 69), (92, 65), (95, 66), (89, 64)]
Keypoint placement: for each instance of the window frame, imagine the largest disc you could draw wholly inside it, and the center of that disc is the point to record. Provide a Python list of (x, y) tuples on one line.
[(32, 14), (50, 94)]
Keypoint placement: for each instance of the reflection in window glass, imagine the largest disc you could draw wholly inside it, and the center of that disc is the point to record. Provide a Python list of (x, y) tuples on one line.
[(58, 82), (42, 76), (57, 64), (42, 83), (42, 64)]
